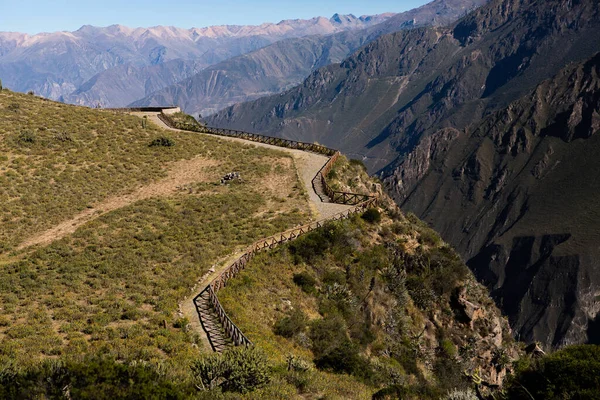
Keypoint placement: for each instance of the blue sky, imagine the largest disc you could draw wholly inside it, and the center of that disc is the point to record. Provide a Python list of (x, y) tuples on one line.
[(33, 16)]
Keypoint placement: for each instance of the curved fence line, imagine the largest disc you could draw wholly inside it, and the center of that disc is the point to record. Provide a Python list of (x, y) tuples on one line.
[(360, 202), (253, 137), (328, 193), (231, 330)]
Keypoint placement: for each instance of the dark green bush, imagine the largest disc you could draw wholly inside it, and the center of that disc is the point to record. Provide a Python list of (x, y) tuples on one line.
[(162, 142), (27, 136), (571, 373), (334, 351), (92, 378), (239, 370), (372, 216), (312, 246), (291, 325), (344, 357), (306, 282), (326, 334)]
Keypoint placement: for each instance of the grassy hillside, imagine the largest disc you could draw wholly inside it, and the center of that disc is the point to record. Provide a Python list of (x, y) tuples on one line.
[(375, 305), (112, 287), (58, 160)]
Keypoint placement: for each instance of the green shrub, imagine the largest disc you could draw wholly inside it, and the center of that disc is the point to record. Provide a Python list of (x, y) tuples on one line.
[(162, 141), (306, 282), (181, 323), (27, 136), (239, 370), (91, 378), (308, 247), (447, 349), (344, 357), (429, 238), (297, 364), (372, 216), (326, 334), (333, 349), (570, 373), (291, 325)]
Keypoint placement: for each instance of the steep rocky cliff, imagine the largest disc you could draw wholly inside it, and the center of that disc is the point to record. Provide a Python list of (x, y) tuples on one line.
[(518, 207), (521, 188)]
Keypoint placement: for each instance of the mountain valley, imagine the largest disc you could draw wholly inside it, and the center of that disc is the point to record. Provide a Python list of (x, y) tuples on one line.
[(390, 206), (428, 90)]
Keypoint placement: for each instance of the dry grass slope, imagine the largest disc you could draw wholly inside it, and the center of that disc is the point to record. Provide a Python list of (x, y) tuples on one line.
[(149, 222)]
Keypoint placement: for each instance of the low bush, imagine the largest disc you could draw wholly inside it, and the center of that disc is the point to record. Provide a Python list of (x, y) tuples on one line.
[(570, 373), (162, 141), (27, 136), (90, 378), (344, 357), (306, 282), (240, 370), (372, 216), (291, 325)]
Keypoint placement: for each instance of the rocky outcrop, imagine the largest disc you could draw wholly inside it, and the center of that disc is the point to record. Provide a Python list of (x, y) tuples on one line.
[(509, 188)]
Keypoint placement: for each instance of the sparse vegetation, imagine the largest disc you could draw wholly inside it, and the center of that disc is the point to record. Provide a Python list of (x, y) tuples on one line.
[(571, 373), (350, 176), (366, 293), (112, 288), (57, 160), (184, 121)]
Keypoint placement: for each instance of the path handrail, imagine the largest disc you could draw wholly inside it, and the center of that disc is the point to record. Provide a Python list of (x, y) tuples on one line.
[(253, 137), (335, 196), (361, 202)]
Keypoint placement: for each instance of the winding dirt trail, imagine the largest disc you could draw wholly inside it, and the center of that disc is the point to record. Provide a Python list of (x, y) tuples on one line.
[(307, 165), (181, 173)]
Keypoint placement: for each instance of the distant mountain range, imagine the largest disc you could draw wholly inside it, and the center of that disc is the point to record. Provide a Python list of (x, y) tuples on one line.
[(284, 64), (59, 64), (487, 129)]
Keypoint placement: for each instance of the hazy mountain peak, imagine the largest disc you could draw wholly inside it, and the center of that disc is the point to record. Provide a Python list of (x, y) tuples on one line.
[(341, 19)]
